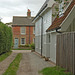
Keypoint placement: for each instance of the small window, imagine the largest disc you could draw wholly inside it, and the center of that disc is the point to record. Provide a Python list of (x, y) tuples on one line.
[(22, 30), (22, 41)]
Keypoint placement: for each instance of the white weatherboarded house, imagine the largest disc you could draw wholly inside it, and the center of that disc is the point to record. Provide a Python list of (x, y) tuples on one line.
[(42, 22)]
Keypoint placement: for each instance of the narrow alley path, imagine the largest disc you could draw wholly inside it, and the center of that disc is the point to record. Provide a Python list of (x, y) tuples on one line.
[(4, 64), (31, 64)]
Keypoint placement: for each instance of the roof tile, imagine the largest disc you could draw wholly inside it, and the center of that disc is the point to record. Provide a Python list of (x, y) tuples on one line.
[(21, 20), (57, 22)]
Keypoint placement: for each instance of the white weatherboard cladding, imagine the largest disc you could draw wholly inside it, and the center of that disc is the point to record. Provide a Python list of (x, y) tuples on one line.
[(47, 20), (38, 27), (53, 47)]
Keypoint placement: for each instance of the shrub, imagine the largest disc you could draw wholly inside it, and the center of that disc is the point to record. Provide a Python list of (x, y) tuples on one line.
[(32, 46), (27, 45), (24, 45), (21, 45), (5, 38)]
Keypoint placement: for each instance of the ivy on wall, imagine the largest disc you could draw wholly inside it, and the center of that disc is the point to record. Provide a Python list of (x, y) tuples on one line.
[(66, 2), (5, 38)]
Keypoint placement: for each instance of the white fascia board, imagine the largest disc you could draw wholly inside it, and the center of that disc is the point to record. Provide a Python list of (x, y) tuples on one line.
[(54, 31)]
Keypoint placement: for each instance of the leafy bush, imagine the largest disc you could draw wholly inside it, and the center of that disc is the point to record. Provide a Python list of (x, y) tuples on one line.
[(32, 46), (27, 45), (21, 45), (5, 38), (24, 45)]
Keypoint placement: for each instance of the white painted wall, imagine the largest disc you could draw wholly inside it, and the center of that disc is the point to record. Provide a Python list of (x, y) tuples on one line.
[(38, 27), (47, 20), (53, 47)]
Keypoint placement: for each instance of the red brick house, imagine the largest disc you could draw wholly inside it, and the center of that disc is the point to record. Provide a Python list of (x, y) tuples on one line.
[(23, 30)]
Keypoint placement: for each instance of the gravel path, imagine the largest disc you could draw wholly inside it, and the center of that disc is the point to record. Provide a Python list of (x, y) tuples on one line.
[(31, 64), (21, 51), (4, 64)]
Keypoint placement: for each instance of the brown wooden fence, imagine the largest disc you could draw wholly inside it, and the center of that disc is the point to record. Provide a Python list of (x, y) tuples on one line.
[(66, 51)]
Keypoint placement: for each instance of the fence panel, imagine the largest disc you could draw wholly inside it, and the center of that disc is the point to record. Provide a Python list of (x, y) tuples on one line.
[(65, 51)]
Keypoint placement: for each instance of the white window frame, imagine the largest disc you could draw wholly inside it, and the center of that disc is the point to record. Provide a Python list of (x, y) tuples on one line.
[(21, 41), (23, 33)]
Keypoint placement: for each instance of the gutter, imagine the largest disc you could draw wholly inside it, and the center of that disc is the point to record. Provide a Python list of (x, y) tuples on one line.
[(55, 29), (58, 31)]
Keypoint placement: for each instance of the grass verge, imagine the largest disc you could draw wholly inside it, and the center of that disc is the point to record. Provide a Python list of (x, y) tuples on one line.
[(4, 56), (54, 71), (13, 67)]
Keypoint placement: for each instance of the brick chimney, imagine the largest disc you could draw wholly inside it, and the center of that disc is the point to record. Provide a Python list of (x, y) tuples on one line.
[(29, 13)]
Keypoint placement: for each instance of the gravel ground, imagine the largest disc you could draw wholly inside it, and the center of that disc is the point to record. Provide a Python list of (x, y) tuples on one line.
[(4, 64), (21, 51), (31, 64)]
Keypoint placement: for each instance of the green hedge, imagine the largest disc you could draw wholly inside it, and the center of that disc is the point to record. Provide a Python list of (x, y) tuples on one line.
[(5, 38)]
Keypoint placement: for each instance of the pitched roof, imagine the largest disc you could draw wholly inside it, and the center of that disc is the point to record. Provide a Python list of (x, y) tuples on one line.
[(42, 8), (21, 20), (57, 22), (48, 3)]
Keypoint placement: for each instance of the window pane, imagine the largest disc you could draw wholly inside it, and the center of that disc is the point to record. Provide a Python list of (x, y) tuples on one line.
[(22, 40), (22, 30)]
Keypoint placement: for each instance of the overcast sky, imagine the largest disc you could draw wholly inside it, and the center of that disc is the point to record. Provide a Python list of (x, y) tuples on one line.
[(10, 8)]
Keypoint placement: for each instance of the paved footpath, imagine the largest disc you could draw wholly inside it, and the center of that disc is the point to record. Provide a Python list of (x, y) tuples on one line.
[(31, 64), (4, 64)]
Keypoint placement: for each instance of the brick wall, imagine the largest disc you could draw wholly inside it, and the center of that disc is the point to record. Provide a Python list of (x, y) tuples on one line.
[(17, 34)]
